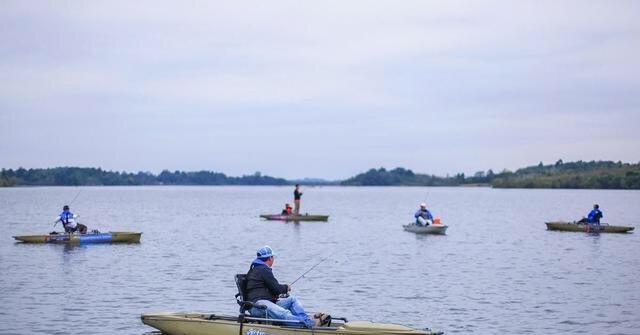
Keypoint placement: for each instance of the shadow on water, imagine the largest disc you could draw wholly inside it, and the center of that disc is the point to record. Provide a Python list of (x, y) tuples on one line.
[(427, 237)]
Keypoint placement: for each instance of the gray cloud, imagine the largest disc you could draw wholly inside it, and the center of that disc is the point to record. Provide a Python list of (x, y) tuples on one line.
[(324, 89)]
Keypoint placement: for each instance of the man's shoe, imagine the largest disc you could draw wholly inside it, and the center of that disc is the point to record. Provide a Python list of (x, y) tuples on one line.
[(322, 319)]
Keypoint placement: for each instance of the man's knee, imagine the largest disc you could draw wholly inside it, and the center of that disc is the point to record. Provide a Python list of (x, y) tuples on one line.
[(287, 302)]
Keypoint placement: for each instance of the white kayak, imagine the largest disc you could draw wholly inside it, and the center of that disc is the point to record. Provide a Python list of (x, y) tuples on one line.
[(437, 229)]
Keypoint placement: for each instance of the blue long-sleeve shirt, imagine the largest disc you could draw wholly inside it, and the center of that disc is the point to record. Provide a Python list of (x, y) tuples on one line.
[(424, 213), (595, 215)]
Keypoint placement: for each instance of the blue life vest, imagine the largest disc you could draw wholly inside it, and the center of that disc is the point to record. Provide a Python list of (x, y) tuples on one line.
[(595, 215), (65, 216)]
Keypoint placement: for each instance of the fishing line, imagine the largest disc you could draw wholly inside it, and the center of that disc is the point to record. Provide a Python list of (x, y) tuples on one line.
[(76, 197), (313, 267)]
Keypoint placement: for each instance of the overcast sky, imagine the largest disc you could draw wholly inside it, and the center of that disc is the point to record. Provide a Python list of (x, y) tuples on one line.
[(318, 89)]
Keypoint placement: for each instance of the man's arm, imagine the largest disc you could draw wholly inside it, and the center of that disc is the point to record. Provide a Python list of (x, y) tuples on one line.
[(272, 284)]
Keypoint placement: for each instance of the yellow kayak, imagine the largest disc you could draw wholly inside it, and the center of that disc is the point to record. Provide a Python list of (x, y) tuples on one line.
[(93, 237), (208, 324)]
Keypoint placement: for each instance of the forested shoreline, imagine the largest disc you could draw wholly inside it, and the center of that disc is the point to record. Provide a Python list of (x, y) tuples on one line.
[(576, 175), (76, 176)]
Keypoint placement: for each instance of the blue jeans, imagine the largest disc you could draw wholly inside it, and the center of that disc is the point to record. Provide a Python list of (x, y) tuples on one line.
[(285, 309)]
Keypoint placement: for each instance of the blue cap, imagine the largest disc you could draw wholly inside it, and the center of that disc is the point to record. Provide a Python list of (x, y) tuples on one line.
[(265, 252)]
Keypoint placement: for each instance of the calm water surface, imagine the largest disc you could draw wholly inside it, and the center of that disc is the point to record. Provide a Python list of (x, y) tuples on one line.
[(498, 271)]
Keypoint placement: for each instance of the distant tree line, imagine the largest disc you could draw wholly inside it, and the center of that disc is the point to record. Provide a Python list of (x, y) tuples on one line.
[(75, 176), (404, 177), (593, 174), (398, 176), (596, 175)]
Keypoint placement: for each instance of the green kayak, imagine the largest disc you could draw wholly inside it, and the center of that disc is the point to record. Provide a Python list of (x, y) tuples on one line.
[(293, 217), (580, 227), (208, 324)]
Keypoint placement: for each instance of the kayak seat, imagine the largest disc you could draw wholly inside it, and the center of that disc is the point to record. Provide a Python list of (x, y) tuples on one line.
[(245, 306)]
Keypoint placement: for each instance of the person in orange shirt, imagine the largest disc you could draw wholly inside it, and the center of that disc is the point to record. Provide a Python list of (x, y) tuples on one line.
[(287, 210)]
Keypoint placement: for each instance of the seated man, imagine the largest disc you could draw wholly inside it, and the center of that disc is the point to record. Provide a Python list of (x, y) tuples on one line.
[(595, 215), (287, 210), (68, 221), (423, 216), (264, 289)]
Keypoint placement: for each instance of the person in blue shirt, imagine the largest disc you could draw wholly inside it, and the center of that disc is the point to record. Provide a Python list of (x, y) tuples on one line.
[(69, 223), (595, 215), (423, 216)]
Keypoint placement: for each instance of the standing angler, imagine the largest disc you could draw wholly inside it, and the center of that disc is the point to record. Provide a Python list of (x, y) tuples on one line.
[(296, 199)]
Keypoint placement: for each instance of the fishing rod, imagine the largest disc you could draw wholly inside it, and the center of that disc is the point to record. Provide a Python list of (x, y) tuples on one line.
[(76, 197), (313, 267)]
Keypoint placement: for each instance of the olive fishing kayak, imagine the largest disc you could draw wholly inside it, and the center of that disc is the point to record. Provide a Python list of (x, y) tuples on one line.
[(293, 217), (93, 237), (580, 227), (438, 229), (207, 324)]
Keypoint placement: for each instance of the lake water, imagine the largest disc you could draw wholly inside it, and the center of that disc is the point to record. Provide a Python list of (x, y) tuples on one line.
[(497, 271)]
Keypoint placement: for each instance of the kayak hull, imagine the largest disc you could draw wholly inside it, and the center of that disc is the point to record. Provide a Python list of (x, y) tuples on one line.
[(306, 217), (90, 238), (578, 227), (207, 324), (438, 229)]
